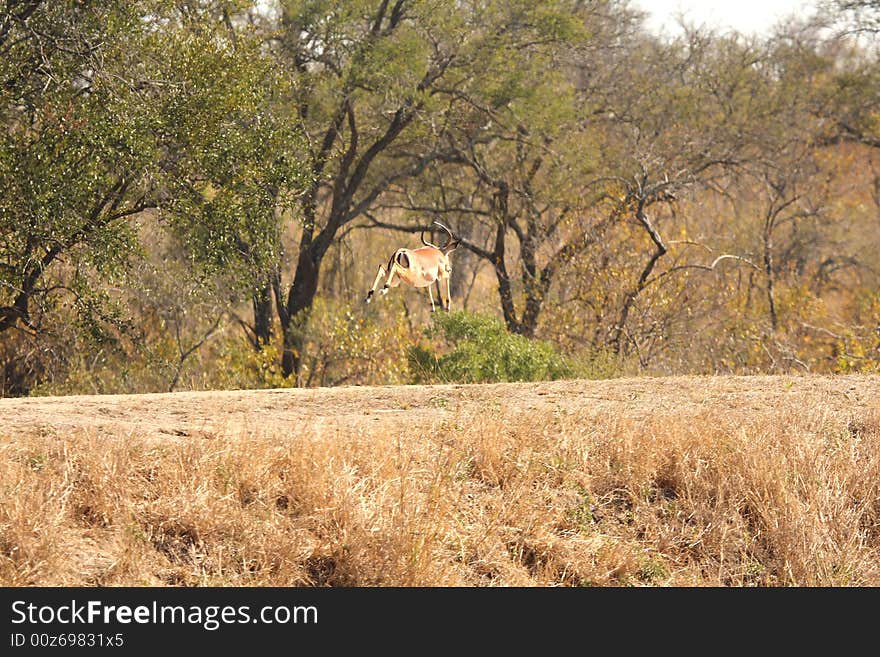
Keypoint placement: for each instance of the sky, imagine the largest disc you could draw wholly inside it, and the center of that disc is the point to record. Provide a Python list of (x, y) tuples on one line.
[(742, 15)]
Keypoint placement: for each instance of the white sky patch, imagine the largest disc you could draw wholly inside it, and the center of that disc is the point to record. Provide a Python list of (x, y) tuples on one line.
[(746, 16)]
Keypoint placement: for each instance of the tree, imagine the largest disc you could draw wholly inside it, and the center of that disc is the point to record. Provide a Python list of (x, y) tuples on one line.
[(102, 125), (72, 157)]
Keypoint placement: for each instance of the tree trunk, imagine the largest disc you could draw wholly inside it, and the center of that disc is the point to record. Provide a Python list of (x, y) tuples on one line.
[(505, 293), (768, 269), (261, 301), (295, 320), (660, 250), (532, 286), (534, 303)]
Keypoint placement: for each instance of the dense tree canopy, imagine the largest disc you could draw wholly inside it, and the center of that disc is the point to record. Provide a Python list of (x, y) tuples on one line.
[(102, 125)]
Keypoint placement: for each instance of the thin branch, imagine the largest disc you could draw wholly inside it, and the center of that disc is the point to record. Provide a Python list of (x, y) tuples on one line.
[(470, 246), (711, 267), (188, 352)]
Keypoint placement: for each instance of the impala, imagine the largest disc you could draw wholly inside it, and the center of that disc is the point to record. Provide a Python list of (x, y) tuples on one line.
[(419, 268)]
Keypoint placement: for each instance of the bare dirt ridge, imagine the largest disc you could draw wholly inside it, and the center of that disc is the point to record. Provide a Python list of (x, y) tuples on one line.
[(209, 413)]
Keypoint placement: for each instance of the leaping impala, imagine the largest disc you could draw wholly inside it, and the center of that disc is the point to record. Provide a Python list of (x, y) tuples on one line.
[(419, 268)]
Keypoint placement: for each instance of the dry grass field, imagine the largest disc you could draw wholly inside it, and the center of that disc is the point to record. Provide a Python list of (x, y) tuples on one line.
[(740, 481)]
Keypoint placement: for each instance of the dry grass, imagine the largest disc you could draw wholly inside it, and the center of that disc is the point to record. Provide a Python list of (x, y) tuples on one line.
[(774, 482)]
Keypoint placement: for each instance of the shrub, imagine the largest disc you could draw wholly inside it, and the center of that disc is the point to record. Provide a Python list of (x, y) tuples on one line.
[(348, 345), (481, 350)]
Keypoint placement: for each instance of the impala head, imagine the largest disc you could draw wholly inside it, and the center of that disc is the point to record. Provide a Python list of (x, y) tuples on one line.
[(451, 241), (421, 267)]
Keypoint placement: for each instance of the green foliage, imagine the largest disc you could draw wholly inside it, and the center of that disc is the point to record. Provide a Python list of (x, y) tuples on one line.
[(481, 350), (109, 125), (235, 166)]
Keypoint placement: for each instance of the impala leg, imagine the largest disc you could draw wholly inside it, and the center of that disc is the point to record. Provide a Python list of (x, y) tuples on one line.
[(392, 271), (448, 296), (382, 273), (439, 284), (431, 297)]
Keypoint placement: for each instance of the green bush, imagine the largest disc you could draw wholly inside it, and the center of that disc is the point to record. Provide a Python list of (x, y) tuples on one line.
[(481, 350)]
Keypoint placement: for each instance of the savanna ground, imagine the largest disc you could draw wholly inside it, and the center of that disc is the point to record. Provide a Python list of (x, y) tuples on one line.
[(766, 481)]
